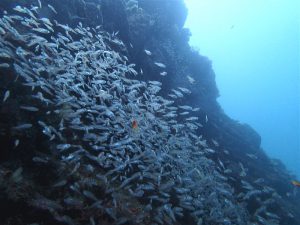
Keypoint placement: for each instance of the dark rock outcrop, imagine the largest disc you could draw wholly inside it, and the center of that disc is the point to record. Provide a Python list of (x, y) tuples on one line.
[(158, 27)]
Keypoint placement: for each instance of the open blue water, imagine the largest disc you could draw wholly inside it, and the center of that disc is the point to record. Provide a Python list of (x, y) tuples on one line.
[(254, 47)]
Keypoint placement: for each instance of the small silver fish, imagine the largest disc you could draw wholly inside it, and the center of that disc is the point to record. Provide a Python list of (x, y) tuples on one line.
[(41, 30), (52, 8), (90, 195), (17, 143), (209, 150), (177, 93), (190, 79), (252, 156), (60, 183), (29, 108), (2, 31), (5, 55), (4, 65), (184, 113), (215, 142), (184, 90), (185, 107), (73, 202), (63, 146), (40, 4), (39, 160), (19, 9), (6, 95), (161, 65), (155, 82), (17, 175), (192, 118), (23, 126), (34, 8), (147, 52), (46, 21)]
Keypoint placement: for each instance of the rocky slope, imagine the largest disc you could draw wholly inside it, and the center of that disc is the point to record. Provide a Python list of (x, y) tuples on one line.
[(261, 187)]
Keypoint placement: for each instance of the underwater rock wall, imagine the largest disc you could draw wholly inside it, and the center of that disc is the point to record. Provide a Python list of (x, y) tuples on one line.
[(109, 117)]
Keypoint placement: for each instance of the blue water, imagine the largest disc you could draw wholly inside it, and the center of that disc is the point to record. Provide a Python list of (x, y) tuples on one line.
[(112, 150), (254, 47)]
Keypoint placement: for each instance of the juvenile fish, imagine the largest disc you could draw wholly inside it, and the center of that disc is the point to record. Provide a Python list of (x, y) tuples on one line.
[(252, 156), (29, 108), (169, 211), (17, 143), (178, 93), (4, 65), (52, 8), (63, 146), (40, 160), (192, 118), (60, 183), (120, 143), (184, 90), (19, 9), (73, 202), (34, 8), (147, 52), (23, 126), (41, 30), (5, 55), (154, 82), (185, 107), (90, 195), (2, 31), (46, 21), (161, 65), (190, 79), (6, 95)]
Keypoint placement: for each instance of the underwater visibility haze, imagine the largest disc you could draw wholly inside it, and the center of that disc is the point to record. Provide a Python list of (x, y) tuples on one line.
[(254, 48), (109, 116)]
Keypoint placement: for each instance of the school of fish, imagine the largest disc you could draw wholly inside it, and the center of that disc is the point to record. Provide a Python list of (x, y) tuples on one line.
[(134, 160)]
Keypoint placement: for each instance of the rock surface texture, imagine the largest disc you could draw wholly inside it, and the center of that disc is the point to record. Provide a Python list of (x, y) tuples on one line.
[(108, 116)]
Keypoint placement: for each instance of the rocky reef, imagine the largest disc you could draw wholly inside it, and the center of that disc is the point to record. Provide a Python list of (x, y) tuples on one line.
[(108, 116)]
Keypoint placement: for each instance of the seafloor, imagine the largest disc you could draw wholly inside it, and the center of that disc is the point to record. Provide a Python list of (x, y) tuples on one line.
[(108, 116)]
